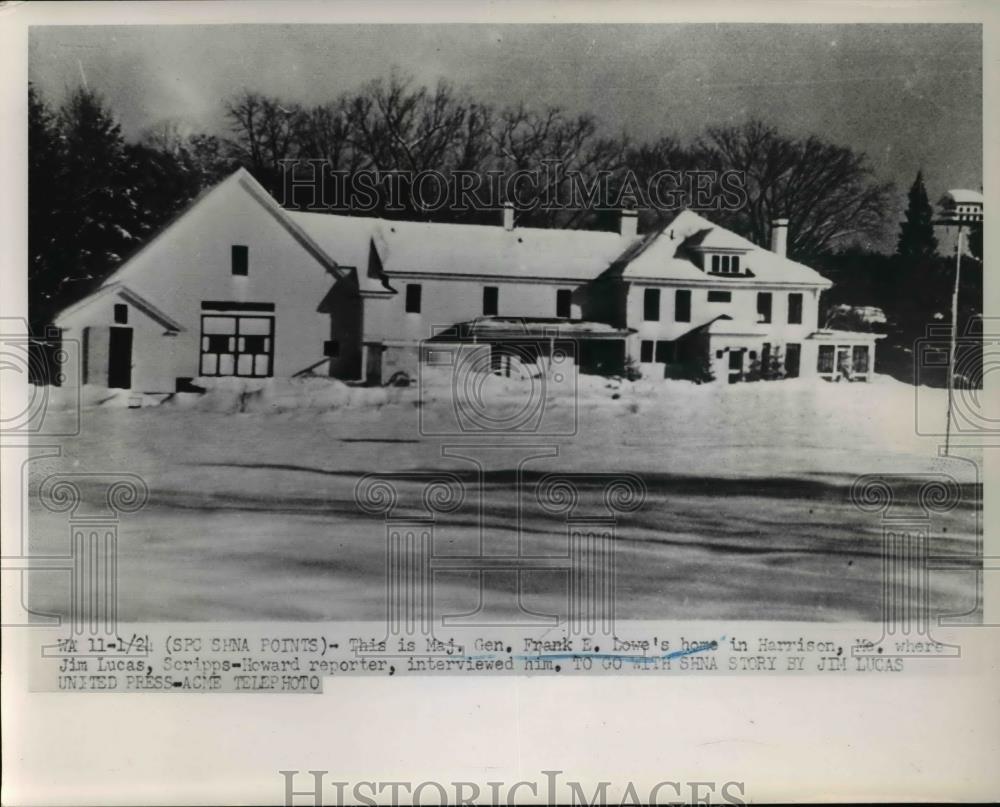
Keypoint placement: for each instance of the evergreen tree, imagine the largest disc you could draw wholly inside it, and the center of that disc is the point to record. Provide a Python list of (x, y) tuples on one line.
[(916, 234), (102, 219), (44, 187)]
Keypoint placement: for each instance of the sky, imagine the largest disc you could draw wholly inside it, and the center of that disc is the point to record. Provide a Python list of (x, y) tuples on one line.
[(909, 96)]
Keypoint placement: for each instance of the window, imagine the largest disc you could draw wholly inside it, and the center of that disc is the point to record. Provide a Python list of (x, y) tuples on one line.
[(121, 314), (726, 264), (646, 350), (735, 359), (720, 296), (331, 348), (564, 300), (682, 306), (241, 260), (824, 363), (237, 345), (859, 359), (651, 305), (794, 309), (491, 301), (412, 298), (764, 306), (664, 352)]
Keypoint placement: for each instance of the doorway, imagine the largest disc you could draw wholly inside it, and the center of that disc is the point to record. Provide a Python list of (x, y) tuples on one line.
[(120, 358)]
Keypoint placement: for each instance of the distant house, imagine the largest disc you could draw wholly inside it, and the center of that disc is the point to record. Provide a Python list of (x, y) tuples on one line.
[(962, 206), (239, 286)]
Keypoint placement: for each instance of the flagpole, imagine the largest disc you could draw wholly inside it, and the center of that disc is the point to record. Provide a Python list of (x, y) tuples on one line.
[(954, 340)]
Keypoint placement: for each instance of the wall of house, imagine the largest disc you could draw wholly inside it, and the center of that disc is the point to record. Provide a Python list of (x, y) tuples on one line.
[(742, 308), (191, 262), (445, 302), (153, 348)]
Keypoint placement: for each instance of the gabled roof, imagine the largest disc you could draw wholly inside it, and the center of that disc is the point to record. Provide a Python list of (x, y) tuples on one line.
[(129, 296), (663, 257), (245, 180)]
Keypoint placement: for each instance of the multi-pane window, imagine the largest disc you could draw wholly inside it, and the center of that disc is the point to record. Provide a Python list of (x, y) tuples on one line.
[(726, 264), (860, 359), (651, 305), (682, 305), (646, 350), (824, 362), (121, 314), (237, 345), (564, 303), (412, 298), (240, 260), (763, 306), (794, 309), (491, 301)]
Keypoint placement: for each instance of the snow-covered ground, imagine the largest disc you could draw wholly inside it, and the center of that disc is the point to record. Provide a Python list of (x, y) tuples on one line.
[(252, 513)]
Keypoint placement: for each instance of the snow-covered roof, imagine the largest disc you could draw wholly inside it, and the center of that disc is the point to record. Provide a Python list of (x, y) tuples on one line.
[(961, 196), (478, 249), (661, 257), (530, 327), (126, 294), (347, 241)]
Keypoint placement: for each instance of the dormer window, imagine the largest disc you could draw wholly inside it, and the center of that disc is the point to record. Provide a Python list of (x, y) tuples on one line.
[(725, 264)]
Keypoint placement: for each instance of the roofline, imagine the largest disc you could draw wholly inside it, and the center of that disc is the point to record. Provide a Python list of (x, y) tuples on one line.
[(124, 291), (437, 274), (751, 282), (258, 192)]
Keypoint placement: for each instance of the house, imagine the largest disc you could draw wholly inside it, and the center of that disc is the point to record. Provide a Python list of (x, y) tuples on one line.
[(960, 206), (239, 286)]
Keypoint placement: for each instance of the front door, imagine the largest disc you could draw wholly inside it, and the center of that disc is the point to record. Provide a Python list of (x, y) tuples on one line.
[(120, 358), (793, 353)]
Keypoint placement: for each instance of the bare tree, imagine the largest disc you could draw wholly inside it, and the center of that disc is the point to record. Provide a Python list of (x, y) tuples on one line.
[(561, 150), (265, 132), (828, 192)]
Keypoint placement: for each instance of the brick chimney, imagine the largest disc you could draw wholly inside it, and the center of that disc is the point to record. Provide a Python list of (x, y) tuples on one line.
[(508, 216), (629, 223), (779, 236)]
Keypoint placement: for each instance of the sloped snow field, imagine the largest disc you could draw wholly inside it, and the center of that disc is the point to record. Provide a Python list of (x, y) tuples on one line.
[(251, 514)]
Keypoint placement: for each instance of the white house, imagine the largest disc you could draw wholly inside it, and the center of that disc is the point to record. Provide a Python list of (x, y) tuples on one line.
[(239, 286)]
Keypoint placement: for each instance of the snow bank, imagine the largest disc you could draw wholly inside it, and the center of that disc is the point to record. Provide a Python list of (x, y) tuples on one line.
[(815, 412), (276, 395)]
